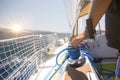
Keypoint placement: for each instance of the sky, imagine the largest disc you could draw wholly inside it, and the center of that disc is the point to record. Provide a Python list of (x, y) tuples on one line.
[(47, 15)]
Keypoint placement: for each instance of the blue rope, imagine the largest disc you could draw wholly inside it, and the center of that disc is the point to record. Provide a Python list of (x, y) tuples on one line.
[(59, 65), (75, 53), (84, 51), (59, 55), (56, 70), (72, 52)]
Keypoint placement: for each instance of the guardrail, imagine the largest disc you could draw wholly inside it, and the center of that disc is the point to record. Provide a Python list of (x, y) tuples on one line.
[(20, 57)]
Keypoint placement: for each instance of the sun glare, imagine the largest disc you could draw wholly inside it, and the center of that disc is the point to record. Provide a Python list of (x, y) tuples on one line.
[(16, 28)]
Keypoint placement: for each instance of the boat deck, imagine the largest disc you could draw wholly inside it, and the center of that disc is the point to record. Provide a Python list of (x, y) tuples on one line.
[(80, 73), (48, 67), (83, 72), (77, 73)]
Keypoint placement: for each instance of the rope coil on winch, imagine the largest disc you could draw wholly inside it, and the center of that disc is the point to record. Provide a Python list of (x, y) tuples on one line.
[(73, 53)]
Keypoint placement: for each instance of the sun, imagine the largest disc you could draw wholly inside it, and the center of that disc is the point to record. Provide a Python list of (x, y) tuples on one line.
[(16, 28)]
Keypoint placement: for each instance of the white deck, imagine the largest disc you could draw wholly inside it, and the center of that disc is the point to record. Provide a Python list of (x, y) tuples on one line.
[(47, 67)]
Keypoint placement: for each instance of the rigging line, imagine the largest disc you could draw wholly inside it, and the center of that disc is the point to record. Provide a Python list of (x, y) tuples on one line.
[(75, 21), (72, 13), (80, 5), (99, 28), (68, 17), (68, 10), (72, 8), (75, 28)]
